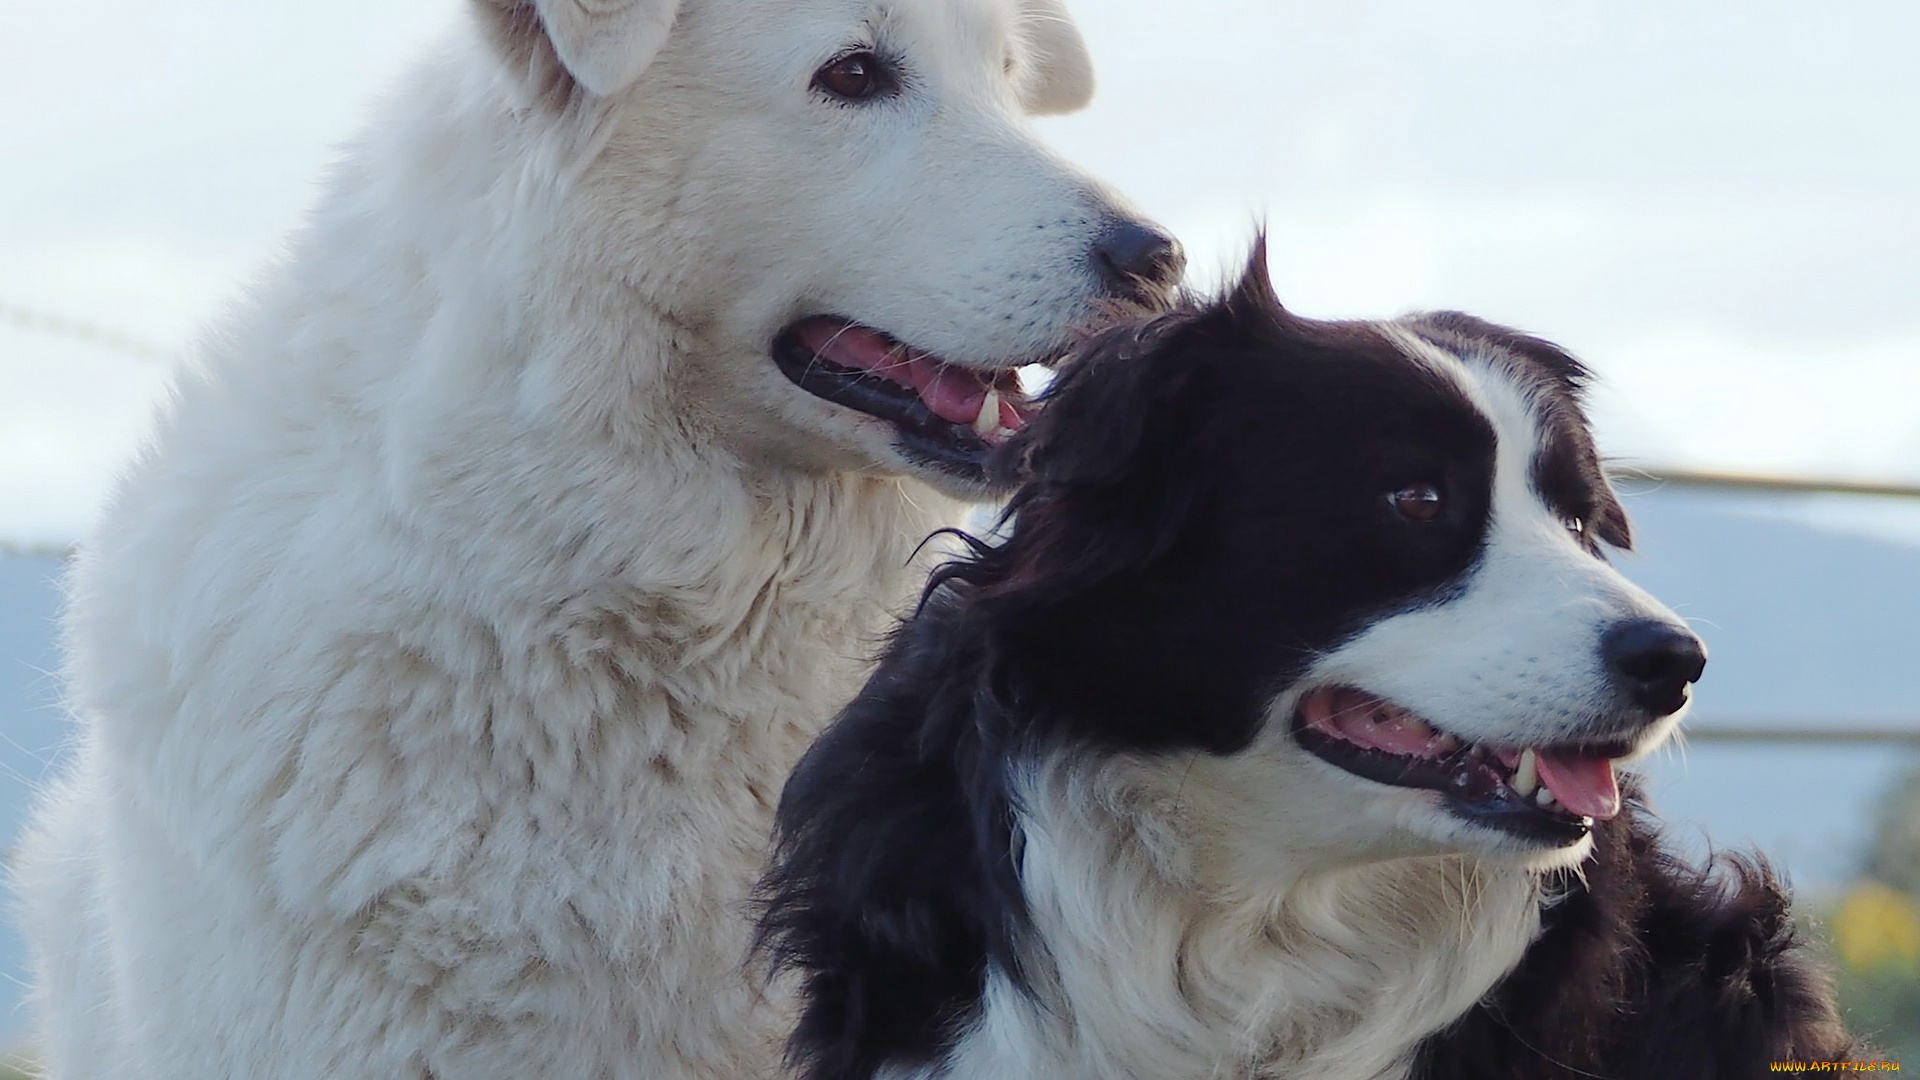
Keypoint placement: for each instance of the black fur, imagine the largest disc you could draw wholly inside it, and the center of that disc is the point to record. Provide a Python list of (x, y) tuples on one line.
[(894, 885), (1651, 968), (1200, 513)]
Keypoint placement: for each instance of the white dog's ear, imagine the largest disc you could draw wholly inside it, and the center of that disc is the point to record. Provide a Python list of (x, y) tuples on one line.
[(603, 44), (1056, 75)]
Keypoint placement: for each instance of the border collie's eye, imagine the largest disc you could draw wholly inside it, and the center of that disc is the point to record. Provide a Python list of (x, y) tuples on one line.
[(1418, 502), (857, 76), (1576, 526)]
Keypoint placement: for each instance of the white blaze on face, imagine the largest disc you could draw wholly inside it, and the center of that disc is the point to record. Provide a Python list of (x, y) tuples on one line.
[(1512, 655)]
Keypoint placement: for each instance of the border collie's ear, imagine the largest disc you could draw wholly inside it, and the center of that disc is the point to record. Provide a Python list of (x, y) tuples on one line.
[(603, 44), (1101, 410), (1100, 484), (1056, 72), (1565, 379), (1118, 394)]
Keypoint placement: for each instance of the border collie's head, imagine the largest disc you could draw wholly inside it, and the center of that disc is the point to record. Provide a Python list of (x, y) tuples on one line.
[(1361, 564)]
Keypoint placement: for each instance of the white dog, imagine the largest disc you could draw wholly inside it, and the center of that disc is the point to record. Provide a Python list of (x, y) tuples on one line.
[(440, 661)]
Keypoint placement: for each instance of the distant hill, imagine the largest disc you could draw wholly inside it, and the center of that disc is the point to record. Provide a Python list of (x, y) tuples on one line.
[(1802, 622), (1807, 624), (32, 728)]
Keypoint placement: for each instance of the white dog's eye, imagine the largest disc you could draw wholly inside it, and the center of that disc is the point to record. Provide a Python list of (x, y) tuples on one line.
[(857, 76), (1418, 502)]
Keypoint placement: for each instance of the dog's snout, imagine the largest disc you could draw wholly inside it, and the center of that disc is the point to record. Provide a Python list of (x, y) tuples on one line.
[(1653, 662), (1138, 261)]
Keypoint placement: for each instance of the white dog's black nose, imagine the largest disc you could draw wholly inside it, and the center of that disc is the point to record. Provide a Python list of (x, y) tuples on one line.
[(1653, 662), (1137, 261)]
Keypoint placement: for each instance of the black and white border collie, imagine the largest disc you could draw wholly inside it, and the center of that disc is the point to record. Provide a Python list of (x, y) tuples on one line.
[(1278, 740)]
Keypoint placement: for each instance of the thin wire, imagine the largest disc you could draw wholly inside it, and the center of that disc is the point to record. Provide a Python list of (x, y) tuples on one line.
[(30, 319)]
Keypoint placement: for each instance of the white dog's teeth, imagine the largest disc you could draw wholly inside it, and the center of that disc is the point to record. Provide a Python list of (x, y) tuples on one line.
[(1545, 797), (1526, 778), (989, 419), (1448, 743)]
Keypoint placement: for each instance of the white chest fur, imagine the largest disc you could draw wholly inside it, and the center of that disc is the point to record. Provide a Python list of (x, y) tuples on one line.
[(1152, 965)]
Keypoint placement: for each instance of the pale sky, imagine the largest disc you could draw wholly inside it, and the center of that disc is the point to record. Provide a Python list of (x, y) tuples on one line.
[(1717, 205)]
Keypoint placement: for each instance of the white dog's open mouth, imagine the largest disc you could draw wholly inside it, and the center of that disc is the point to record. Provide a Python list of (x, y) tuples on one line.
[(1549, 793), (945, 411)]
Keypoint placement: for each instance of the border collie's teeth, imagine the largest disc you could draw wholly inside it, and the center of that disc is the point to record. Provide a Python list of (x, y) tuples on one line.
[(1545, 797), (989, 418), (1526, 777)]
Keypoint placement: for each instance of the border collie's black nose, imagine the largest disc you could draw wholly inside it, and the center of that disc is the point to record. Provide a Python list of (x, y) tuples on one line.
[(1654, 661), (1137, 261)]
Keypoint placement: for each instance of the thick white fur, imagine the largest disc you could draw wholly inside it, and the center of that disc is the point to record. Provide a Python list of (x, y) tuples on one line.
[(1265, 915), (1164, 956), (441, 658)]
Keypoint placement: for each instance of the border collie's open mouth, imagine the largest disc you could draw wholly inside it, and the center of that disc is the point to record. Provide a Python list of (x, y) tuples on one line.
[(1549, 793), (947, 413)]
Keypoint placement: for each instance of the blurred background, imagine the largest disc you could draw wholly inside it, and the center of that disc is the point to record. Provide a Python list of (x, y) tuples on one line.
[(1716, 205)]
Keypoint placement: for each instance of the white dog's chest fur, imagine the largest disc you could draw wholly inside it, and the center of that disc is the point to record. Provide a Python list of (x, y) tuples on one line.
[(469, 876), (382, 781)]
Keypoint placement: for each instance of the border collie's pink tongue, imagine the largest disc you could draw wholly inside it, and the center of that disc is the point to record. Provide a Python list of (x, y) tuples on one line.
[(1584, 785), (952, 393)]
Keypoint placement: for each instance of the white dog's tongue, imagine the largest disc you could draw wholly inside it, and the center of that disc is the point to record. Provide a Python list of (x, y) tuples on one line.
[(1584, 785), (952, 393)]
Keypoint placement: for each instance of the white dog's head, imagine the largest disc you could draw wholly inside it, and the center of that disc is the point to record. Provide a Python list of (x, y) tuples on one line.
[(836, 210)]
